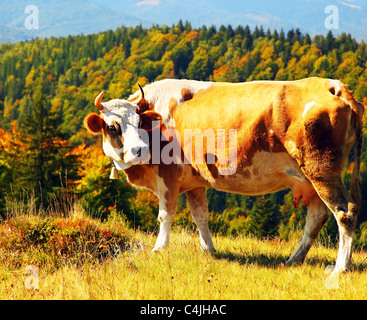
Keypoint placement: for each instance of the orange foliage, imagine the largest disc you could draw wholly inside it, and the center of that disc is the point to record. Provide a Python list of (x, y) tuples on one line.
[(93, 160), (145, 198), (145, 205), (221, 73), (192, 35)]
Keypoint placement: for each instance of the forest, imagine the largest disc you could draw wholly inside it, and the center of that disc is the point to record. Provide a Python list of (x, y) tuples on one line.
[(47, 87)]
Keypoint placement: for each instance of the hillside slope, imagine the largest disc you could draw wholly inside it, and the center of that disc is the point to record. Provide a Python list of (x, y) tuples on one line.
[(242, 268)]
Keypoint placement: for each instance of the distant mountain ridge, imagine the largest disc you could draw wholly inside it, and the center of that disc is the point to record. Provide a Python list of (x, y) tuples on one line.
[(59, 18), (64, 17)]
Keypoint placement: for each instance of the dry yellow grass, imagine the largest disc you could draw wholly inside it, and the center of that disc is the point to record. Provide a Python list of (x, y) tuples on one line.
[(242, 268)]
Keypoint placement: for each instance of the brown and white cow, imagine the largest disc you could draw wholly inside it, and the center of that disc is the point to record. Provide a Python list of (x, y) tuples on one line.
[(250, 138)]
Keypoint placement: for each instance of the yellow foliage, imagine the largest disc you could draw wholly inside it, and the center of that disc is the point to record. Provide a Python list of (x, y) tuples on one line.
[(268, 53), (93, 160)]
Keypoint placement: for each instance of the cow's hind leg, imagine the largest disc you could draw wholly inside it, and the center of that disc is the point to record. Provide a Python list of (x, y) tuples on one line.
[(316, 217), (345, 211), (200, 214)]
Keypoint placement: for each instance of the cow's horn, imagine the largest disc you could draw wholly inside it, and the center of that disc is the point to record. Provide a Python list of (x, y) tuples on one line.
[(141, 92), (98, 101)]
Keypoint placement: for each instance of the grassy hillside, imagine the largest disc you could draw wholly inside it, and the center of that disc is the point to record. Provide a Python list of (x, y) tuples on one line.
[(242, 267)]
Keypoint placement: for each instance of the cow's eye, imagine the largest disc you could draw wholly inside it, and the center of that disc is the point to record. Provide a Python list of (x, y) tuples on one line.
[(113, 128)]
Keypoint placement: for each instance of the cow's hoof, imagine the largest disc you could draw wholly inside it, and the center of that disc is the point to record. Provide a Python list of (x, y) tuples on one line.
[(158, 249), (294, 262)]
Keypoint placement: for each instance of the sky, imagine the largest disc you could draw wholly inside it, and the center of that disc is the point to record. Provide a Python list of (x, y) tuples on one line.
[(64, 17)]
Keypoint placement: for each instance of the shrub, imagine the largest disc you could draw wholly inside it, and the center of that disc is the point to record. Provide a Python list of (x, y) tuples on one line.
[(53, 242)]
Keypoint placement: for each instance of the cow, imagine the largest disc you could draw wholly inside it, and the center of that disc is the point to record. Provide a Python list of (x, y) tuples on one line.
[(250, 138)]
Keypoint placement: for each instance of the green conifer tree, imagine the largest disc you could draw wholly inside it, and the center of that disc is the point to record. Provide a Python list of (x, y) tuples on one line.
[(264, 217), (45, 164)]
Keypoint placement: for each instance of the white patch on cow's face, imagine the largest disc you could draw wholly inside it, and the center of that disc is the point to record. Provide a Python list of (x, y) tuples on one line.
[(125, 147), (308, 106)]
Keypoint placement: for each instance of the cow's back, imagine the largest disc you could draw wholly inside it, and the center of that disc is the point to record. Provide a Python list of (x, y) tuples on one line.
[(226, 105)]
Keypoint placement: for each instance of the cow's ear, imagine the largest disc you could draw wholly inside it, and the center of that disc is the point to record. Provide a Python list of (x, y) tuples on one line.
[(94, 123), (147, 119), (144, 106)]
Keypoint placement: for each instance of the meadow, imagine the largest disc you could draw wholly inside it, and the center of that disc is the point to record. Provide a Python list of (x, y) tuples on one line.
[(88, 259)]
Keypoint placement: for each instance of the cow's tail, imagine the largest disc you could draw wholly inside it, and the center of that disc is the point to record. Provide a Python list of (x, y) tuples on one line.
[(355, 187), (357, 122)]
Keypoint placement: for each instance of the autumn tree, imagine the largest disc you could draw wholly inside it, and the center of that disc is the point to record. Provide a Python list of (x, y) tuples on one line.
[(99, 194), (44, 164), (201, 66)]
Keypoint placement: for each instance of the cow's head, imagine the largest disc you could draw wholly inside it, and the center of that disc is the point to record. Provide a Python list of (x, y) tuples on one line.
[(119, 123)]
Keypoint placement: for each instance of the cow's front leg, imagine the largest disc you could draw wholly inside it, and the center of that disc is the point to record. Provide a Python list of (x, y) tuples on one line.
[(167, 210), (165, 217)]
